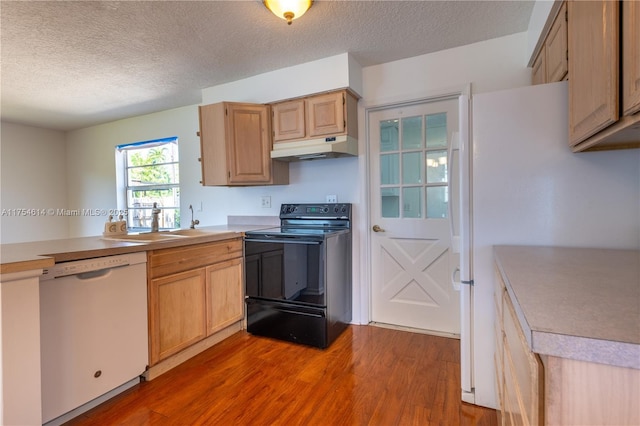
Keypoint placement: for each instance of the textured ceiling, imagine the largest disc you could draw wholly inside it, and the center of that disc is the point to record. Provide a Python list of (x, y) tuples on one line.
[(73, 64)]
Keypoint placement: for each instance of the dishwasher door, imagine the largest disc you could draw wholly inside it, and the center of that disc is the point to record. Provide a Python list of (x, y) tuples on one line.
[(93, 328)]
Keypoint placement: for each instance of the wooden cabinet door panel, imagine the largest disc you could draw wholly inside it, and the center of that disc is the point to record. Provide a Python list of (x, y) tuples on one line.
[(176, 313), (213, 149), (630, 57), (593, 39), (556, 48), (527, 370), (288, 120), (225, 295), (249, 143), (325, 114)]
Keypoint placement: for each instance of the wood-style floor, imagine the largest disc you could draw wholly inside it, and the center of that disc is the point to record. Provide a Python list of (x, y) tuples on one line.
[(368, 376)]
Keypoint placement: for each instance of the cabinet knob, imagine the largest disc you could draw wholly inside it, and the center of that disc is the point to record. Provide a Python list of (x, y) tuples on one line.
[(97, 374), (200, 159), (198, 134)]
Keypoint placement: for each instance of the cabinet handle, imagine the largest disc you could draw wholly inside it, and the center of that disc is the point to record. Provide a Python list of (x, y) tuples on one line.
[(97, 374)]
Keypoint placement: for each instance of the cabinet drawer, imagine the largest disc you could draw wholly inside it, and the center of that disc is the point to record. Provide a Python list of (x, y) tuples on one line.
[(178, 259)]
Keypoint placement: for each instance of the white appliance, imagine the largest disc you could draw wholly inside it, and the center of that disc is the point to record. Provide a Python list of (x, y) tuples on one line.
[(521, 185), (93, 330), (313, 149)]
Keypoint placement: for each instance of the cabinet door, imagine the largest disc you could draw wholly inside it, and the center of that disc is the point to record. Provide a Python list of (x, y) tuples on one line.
[(539, 71), (213, 149), (288, 120), (248, 143), (523, 370), (556, 48), (630, 57), (176, 313), (225, 304), (325, 114), (593, 36)]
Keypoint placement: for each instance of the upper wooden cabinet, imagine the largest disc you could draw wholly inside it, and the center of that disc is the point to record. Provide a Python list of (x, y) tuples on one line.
[(316, 116), (325, 114), (556, 48), (593, 71), (598, 85), (631, 57), (288, 120), (550, 64), (235, 146)]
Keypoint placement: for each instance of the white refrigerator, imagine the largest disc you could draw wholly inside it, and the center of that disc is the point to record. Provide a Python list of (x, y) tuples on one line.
[(522, 185)]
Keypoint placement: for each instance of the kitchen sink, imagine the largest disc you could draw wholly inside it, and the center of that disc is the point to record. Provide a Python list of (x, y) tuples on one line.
[(149, 237), (145, 237), (194, 232)]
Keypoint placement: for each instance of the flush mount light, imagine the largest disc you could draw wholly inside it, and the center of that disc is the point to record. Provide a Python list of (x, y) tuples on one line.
[(288, 9)]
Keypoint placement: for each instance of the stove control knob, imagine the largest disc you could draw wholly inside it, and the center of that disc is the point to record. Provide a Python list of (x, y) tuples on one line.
[(344, 209), (335, 209), (325, 210)]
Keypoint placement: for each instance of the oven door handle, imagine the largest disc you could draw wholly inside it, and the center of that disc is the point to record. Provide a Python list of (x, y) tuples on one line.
[(280, 240)]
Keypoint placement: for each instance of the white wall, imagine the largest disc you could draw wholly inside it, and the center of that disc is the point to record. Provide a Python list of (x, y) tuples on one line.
[(489, 65), (33, 176), (334, 72)]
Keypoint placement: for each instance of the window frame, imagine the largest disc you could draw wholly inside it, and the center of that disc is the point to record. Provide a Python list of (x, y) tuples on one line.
[(123, 168)]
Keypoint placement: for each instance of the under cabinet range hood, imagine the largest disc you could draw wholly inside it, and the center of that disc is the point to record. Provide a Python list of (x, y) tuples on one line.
[(315, 149)]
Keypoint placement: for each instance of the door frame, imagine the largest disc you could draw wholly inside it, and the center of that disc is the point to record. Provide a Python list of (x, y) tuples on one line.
[(369, 108)]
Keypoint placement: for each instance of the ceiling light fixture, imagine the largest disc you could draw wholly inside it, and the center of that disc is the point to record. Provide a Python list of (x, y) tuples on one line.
[(288, 9)]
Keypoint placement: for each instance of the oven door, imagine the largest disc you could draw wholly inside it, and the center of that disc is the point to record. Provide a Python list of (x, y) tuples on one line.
[(289, 270)]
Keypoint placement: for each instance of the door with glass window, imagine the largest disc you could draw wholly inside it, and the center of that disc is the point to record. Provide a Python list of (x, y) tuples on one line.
[(410, 235)]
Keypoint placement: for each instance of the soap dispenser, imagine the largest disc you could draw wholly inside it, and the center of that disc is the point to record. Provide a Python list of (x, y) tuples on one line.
[(110, 227)]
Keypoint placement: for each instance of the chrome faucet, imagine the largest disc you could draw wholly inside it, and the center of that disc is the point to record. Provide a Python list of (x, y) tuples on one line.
[(154, 219), (193, 222)]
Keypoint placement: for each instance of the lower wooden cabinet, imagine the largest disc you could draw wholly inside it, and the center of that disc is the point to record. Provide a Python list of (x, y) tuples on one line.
[(176, 312), (194, 292), (535, 389), (519, 371), (225, 294)]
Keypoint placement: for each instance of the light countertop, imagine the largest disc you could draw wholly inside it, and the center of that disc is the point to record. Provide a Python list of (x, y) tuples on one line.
[(19, 257), (576, 303)]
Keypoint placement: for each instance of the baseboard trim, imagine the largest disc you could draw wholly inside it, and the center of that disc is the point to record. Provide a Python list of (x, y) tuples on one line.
[(415, 330)]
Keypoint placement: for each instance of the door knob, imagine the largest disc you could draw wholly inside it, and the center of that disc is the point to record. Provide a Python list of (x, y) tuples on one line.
[(376, 228)]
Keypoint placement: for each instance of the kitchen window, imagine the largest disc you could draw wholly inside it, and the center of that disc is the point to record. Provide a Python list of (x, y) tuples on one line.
[(148, 173)]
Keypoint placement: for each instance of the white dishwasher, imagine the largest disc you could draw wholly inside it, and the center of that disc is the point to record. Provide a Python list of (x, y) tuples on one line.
[(93, 329)]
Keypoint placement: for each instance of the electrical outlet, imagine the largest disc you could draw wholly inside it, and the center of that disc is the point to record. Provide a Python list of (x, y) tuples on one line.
[(332, 198), (266, 202)]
